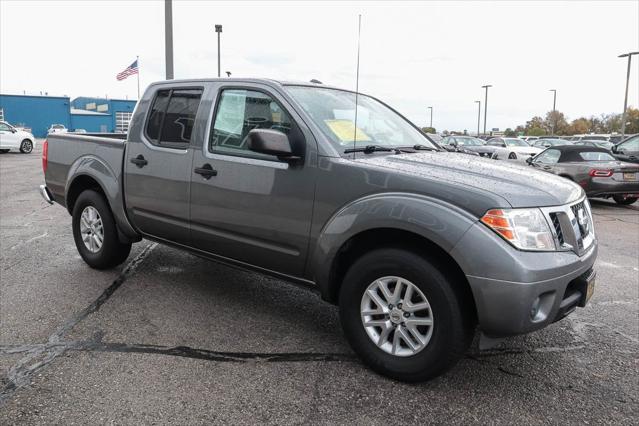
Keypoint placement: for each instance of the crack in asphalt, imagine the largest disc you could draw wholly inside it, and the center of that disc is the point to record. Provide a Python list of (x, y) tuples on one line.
[(39, 356)]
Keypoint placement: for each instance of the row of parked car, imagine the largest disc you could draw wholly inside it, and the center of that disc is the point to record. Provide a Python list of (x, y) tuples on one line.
[(602, 167)]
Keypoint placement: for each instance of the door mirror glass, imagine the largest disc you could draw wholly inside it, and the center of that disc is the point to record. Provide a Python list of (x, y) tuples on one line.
[(271, 142)]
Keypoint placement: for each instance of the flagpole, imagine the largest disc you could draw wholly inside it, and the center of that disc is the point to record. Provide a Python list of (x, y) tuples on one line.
[(137, 59)]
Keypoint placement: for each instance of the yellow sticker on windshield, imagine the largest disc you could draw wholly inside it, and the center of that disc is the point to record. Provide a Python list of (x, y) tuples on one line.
[(345, 131)]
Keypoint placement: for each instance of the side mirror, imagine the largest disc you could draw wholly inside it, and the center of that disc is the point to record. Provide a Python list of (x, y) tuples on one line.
[(271, 142), (614, 149), (529, 160), (14, 131)]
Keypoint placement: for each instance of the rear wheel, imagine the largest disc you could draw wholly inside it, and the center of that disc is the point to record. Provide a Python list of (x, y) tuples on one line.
[(95, 232), (401, 315), (624, 201), (26, 146)]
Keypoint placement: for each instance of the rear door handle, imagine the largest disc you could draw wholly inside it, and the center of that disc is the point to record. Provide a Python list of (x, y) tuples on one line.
[(139, 161), (206, 171)]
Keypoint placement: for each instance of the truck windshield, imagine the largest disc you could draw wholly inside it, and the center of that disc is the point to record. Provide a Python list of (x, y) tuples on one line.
[(333, 111)]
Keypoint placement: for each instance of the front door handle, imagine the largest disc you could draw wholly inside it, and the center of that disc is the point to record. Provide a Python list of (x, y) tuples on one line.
[(206, 171), (139, 161)]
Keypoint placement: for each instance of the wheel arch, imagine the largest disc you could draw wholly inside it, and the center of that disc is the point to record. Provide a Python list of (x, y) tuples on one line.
[(429, 226), (90, 172)]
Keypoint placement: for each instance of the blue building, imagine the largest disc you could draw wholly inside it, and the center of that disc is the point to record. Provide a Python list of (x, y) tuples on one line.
[(91, 114)]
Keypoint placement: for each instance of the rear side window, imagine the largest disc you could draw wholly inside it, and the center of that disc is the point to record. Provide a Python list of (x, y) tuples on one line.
[(172, 117)]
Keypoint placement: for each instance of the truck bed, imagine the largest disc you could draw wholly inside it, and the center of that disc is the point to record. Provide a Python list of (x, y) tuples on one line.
[(69, 154)]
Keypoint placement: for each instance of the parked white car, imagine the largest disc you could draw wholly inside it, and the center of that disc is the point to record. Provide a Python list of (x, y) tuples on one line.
[(12, 138), (512, 149), (57, 128)]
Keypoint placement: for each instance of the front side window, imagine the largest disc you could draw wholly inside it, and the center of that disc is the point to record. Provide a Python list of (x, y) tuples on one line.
[(469, 141), (238, 112), (172, 117), (5, 127), (333, 111), (550, 156)]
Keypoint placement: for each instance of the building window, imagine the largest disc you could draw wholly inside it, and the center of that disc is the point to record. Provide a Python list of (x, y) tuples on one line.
[(122, 120), (1, 114)]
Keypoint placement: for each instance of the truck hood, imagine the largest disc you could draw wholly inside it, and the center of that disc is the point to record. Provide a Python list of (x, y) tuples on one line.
[(520, 186)]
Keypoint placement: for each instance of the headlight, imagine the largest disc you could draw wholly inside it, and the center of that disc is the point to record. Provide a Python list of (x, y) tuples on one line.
[(525, 229)]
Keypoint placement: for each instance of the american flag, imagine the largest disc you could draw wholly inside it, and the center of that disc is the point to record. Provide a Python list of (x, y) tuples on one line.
[(130, 70)]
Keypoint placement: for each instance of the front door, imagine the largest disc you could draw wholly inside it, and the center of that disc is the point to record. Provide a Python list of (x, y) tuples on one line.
[(8, 137), (158, 165), (252, 207)]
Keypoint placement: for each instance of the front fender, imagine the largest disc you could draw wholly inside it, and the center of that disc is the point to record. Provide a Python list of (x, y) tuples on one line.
[(442, 223), (108, 179)]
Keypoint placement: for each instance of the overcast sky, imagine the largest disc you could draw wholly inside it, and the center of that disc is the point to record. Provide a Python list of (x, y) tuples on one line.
[(412, 54)]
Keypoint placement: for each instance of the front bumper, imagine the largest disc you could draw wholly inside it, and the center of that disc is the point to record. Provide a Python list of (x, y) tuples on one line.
[(517, 292), (46, 194)]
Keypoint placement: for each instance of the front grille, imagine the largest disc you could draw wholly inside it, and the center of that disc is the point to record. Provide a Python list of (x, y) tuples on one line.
[(557, 225), (572, 226), (581, 215)]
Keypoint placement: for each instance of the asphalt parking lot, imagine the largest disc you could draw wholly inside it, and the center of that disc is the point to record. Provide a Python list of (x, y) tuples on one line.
[(169, 337)]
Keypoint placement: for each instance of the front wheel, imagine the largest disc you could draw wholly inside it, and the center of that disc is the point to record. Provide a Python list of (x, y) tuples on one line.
[(624, 201), (512, 156), (95, 232), (26, 146), (402, 316)]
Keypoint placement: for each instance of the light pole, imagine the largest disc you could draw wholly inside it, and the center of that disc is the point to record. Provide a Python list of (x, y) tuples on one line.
[(431, 116), (478, 115), (625, 101), (168, 39), (554, 118), (218, 30), (486, 104)]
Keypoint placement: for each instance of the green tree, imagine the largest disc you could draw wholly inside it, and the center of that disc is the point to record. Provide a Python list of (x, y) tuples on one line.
[(429, 130), (557, 121), (510, 132), (535, 126), (632, 120)]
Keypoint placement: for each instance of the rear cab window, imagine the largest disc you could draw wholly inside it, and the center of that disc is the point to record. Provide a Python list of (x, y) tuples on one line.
[(172, 116)]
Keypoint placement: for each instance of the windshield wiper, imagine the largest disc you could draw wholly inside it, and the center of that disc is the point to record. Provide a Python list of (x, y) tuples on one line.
[(369, 149), (424, 148)]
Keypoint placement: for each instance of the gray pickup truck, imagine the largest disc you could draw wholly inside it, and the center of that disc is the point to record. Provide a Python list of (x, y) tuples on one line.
[(418, 246)]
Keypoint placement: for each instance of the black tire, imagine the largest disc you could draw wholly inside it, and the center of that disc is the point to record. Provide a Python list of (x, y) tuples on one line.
[(624, 201), (453, 326), (512, 156), (112, 252), (26, 146)]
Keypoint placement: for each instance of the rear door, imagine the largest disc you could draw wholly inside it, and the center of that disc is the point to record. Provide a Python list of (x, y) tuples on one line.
[(253, 208), (158, 162)]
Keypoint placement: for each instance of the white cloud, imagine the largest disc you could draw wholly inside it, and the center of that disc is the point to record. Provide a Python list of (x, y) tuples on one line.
[(412, 54)]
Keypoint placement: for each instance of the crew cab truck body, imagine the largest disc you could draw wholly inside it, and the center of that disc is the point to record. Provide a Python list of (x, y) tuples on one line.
[(417, 246)]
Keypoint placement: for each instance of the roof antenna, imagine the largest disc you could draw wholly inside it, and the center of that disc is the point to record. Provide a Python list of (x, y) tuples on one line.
[(359, 35)]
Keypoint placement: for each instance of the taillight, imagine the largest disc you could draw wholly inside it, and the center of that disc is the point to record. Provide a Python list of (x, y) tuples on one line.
[(45, 155), (600, 173)]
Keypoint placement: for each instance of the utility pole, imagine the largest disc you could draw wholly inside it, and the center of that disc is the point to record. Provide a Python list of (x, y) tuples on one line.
[(554, 115), (218, 30), (486, 105), (168, 38), (478, 115), (431, 116), (625, 101)]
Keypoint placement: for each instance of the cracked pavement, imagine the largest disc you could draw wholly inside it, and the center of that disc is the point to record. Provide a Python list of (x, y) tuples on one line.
[(169, 337)]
